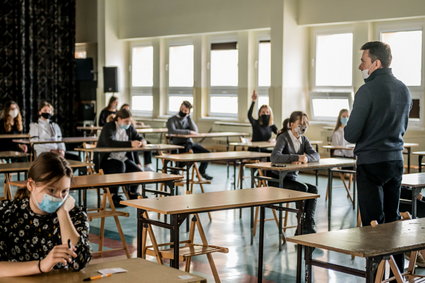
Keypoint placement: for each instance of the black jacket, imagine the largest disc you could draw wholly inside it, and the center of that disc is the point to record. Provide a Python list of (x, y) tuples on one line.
[(8, 144), (104, 115), (260, 132), (107, 139)]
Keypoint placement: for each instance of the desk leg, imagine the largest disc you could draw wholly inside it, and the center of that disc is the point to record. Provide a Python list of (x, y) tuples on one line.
[(261, 245), (174, 235), (415, 192), (280, 242), (371, 266), (139, 232), (299, 262), (330, 179), (420, 163), (307, 259), (252, 208), (408, 159)]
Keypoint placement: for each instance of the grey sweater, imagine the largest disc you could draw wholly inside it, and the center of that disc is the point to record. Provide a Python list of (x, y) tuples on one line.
[(379, 118), (182, 126)]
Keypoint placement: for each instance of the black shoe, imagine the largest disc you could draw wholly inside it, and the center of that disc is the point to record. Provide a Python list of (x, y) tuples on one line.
[(206, 176), (309, 226), (116, 200), (134, 195)]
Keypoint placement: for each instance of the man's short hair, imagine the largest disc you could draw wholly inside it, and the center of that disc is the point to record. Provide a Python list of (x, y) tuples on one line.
[(379, 50), (187, 104)]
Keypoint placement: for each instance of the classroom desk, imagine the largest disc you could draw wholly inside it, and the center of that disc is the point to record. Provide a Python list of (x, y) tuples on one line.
[(324, 163), (13, 154), (202, 136), (415, 182), (99, 128), (148, 147), (14, 136), (407, 146), (420, 155), (62, 140), (179, 207), (139, 270), (229, 156), (160, 131), (372, 243)]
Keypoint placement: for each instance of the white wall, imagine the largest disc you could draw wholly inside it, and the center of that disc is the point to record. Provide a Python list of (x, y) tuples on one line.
[(86, 21)]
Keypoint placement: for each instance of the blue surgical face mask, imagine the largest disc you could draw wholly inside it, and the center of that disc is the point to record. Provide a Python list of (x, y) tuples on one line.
[(124, 126), (344, 120), (51, 204)]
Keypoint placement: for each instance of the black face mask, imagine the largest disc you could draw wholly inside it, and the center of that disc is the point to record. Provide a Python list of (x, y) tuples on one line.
[(46, 115), (265, 119), (182, 114)]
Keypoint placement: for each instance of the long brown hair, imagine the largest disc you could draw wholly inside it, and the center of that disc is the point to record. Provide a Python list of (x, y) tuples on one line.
[(49, 167), (271, 114), (338, 121), (8, 119), (111, 100), (296, 115)]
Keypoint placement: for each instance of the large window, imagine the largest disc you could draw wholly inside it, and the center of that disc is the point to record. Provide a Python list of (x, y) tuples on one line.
[(333, 74), (223, 97), (180, 76), (142, 79), (406, 49), (264, 71)]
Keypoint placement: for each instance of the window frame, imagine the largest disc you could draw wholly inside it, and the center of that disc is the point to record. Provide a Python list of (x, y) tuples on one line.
[(329, 95), (142, 90), (261, 90), (182, 91)]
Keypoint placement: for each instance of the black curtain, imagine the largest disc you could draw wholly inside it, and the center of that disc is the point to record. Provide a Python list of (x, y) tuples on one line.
[(37, 39)]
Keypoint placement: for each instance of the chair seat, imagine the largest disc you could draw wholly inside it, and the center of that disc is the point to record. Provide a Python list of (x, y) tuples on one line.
[(189, 250), (106, 213)]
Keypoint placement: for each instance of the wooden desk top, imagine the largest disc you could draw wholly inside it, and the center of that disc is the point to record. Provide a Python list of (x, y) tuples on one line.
[(369, 241), (139, 270), (148, 147), (410, 144), (414, 180), (152, 130), (322, 164), (419, 152), (63, 140), (197, 203), (209, 135), (258, 144), (11, 154), (15, 136), (351, 147), (25, 166), (90, 181), (214, 156), (98, 128)]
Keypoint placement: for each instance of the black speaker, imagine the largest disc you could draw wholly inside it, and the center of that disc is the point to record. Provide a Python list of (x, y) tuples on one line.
[(87, 90), (110, 79), (86, 112), (84, 69)]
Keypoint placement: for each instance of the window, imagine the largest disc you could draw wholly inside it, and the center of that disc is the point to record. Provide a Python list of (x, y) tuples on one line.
[(326, 106), (142, 79), (264, 71), (334, 60), (180, 76), (406, 49), (223, 97)]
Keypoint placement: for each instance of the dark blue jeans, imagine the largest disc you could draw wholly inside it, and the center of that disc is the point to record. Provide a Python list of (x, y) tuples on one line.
[(378, 187)]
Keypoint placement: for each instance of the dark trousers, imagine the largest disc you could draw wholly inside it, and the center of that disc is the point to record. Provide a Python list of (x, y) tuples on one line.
[(378, 187), (147, 157), (196, 148), (72, 156), (112, 166)]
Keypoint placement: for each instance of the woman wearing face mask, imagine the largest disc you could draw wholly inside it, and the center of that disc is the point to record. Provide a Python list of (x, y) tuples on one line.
[(262, 128), (338, 134), (45, 129), (120, 133), (11, 123), (293, 147), (41, 229), (108, 111)]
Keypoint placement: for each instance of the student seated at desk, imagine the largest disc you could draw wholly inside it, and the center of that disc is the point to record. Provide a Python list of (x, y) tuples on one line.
[(262, 128), (109, 110), (293, 147), (41, 229), (338, 134), (120, 133), (147, 155), (183, 124), (11, 123), (46, 129)]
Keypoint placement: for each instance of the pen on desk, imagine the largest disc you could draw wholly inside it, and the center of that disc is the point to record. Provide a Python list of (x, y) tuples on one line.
[(97, 277)]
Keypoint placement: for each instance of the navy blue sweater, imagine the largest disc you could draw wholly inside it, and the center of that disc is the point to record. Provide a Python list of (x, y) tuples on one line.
[(379, 118)]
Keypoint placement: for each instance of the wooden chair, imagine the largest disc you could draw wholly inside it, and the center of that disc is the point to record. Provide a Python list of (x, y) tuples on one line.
[(407, 276), (102, 212), (262, 183), (187, 251)]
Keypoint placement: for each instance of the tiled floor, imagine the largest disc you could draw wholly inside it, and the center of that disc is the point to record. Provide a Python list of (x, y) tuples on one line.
[(229, 230)]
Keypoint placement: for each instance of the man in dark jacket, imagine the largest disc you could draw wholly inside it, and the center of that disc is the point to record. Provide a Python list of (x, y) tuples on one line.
[(120, 133), (377, 124)]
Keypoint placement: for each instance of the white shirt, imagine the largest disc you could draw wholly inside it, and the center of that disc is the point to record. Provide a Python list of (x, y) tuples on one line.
[(46, 130), (296, 141), (120, 135), (338, 140)]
